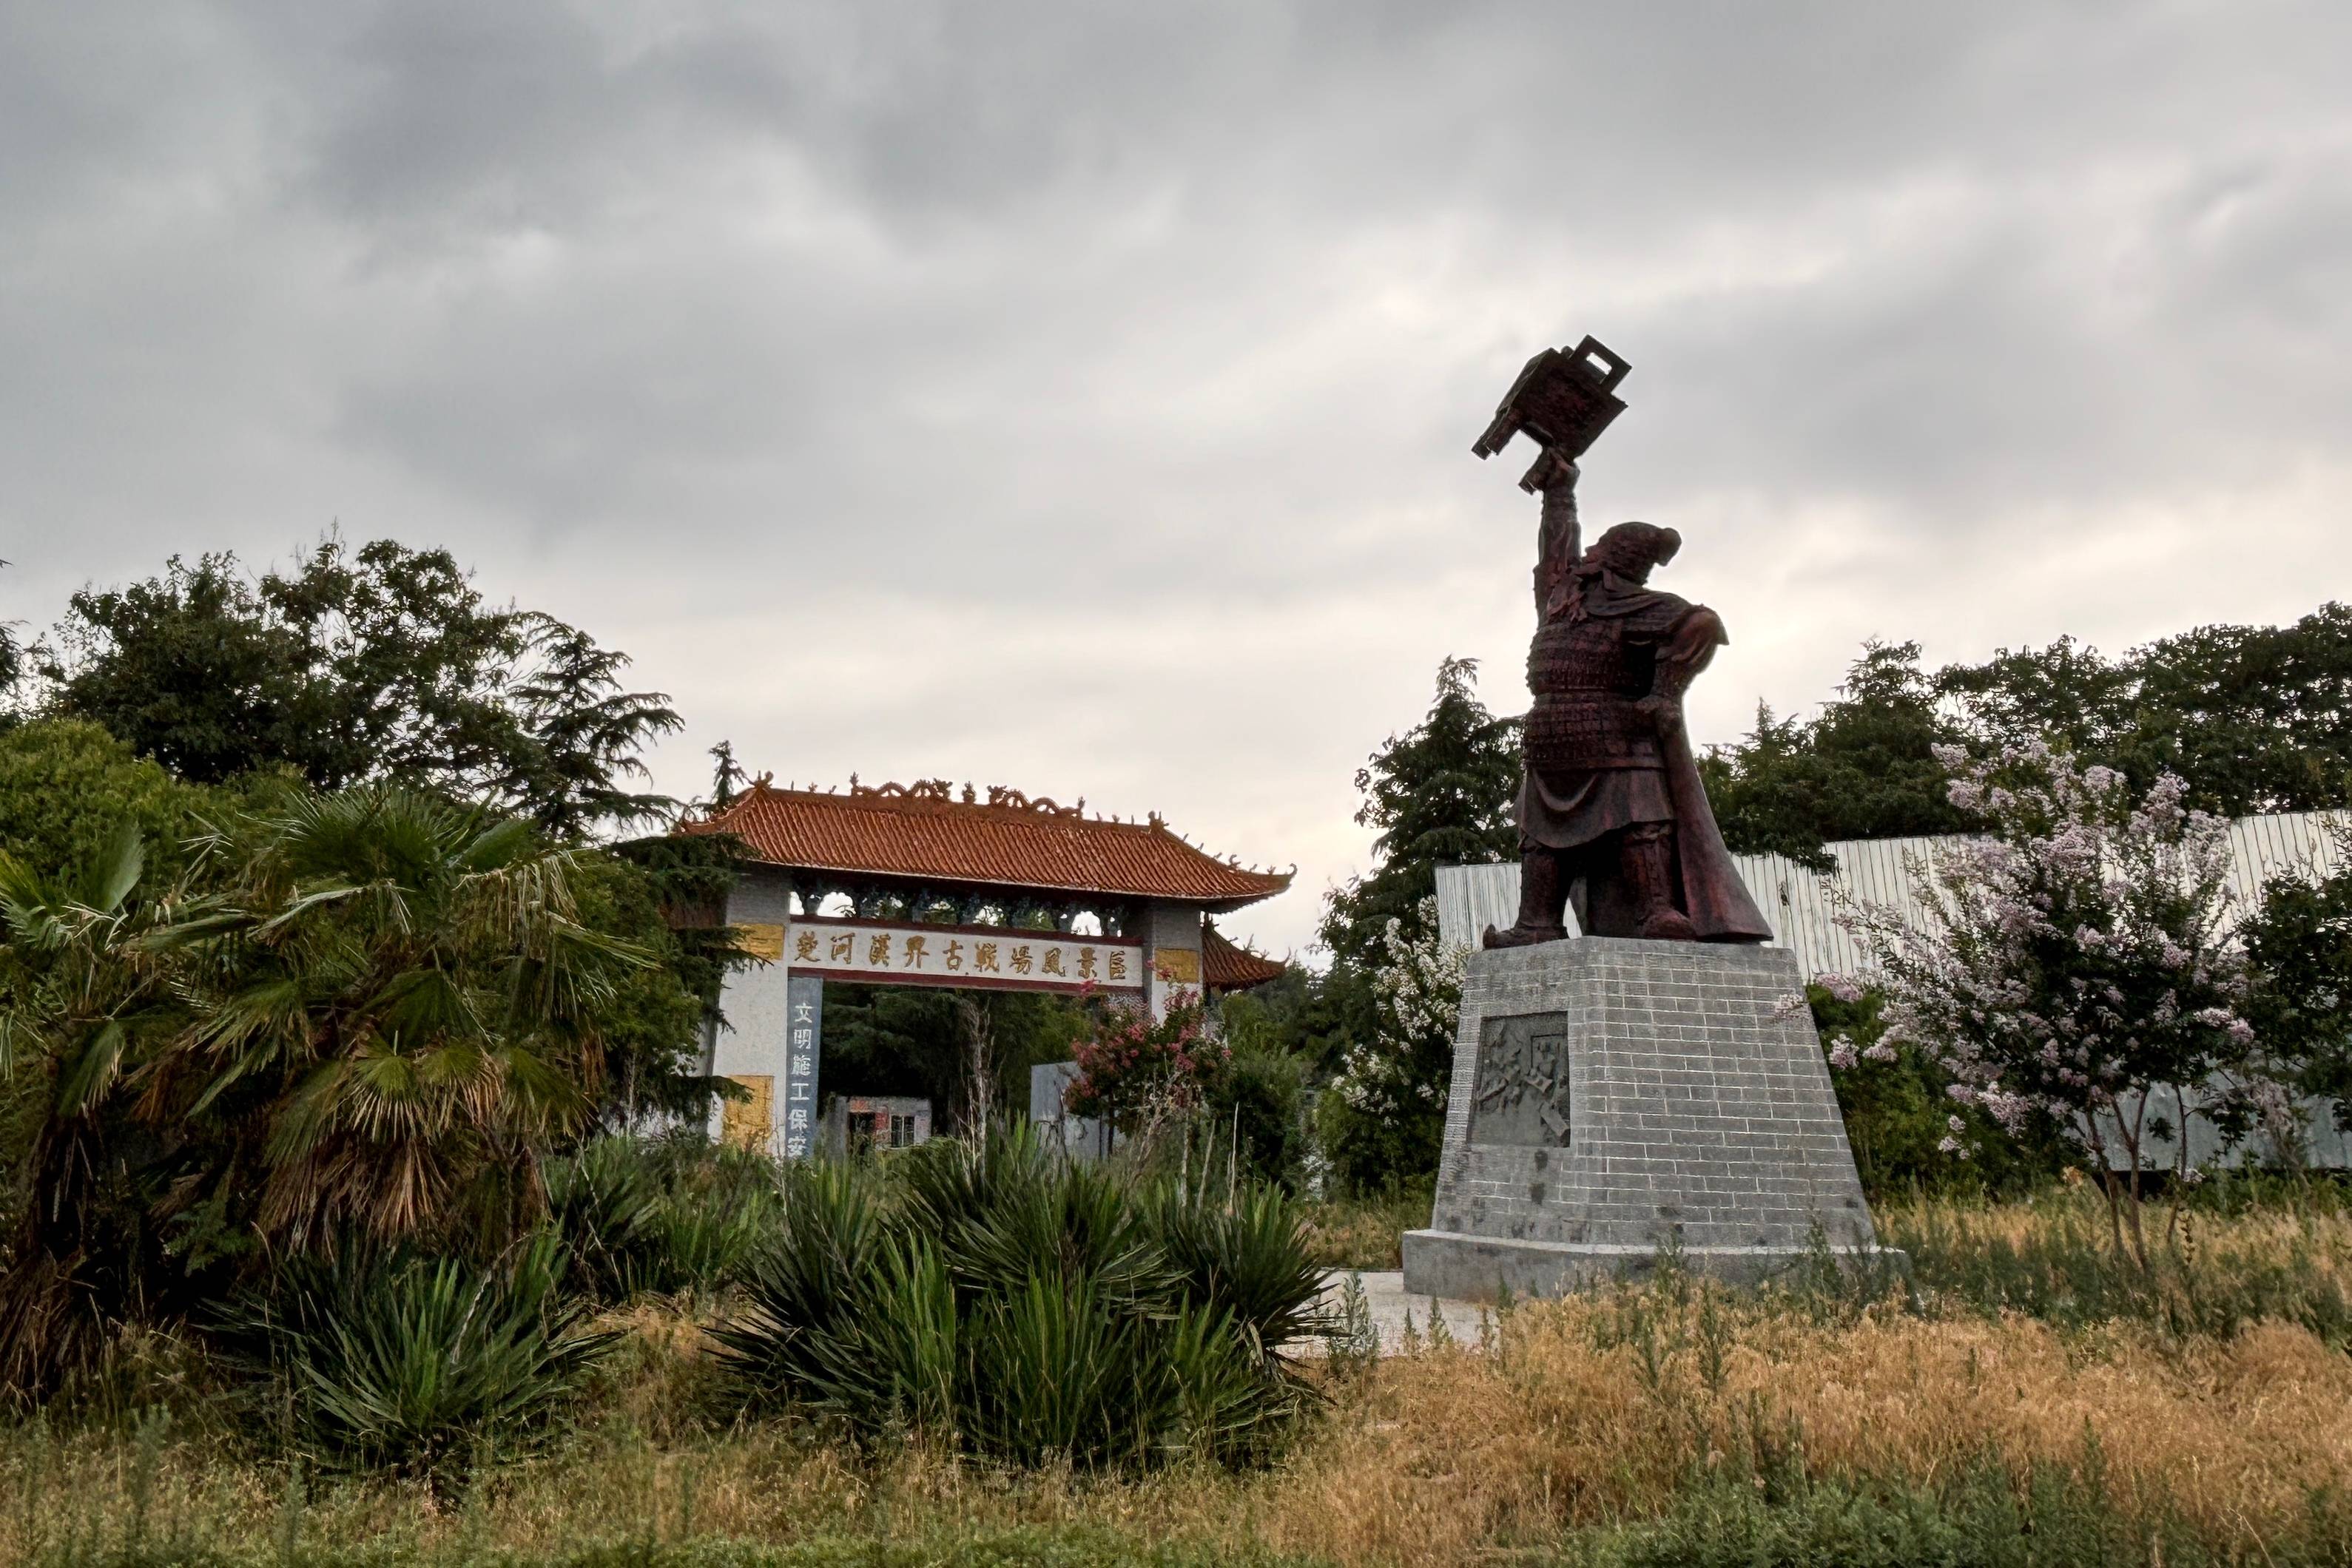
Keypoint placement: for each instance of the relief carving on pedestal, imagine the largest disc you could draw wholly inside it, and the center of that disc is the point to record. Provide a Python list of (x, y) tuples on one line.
[(1521, 1096)]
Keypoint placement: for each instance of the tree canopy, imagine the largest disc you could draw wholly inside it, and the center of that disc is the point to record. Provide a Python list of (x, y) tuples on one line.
[(1864, 768), (378, 665), (1440, 794), (2251, 718)]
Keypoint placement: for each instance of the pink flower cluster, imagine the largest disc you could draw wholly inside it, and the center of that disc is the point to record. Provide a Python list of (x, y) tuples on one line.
[(2075, 956), (1137, 1069)]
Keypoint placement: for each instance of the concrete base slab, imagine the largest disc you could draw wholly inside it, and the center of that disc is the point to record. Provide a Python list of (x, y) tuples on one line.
[(1480, 1268)]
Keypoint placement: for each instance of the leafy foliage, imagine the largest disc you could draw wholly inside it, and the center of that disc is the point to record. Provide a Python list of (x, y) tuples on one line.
[(1440, 795), (666, 1217), (397, 996), (67, 787), (1137, 1072), (1898, 1115), (1863, 768), (2249, 718), (650, 1029), (1257, 1099), (2298, 944), (906, 1040), (84, 1003), (374, 665), (1001, 1299), (583, 735), (1384, 1113), (382, 663), (419, 1363), (371, 1011), (1443, 794)]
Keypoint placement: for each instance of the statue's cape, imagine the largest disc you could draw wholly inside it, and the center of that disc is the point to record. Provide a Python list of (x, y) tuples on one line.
[(1713, 895)]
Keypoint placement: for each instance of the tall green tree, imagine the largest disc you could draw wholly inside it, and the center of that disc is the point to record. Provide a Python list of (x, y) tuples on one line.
[(376, 665), (2254, 718), (1440, 794), (1864, 767), (582, 736), (382, 663)]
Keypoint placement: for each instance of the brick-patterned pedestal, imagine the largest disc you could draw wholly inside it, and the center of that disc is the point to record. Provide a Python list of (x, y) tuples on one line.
[(1610, 1097)]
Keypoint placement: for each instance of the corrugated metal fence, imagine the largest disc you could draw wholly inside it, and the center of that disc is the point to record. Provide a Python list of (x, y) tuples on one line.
[(1798, 904)]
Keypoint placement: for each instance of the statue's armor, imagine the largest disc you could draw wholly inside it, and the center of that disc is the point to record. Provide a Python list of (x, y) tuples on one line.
[(1586, 676)]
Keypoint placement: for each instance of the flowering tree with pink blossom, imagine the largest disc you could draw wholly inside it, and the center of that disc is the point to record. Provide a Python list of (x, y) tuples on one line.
[(1137, 1072), (2077, 959)]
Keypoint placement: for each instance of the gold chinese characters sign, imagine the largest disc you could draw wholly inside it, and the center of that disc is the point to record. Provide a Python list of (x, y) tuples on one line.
[(1180, 966), (760, 941), (979, 956)]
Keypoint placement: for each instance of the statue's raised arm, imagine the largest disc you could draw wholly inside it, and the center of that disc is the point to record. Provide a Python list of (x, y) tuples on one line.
[(1559, 539)]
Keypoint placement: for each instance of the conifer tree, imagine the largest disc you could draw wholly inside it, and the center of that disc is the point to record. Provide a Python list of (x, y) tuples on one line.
[(1440, 794)]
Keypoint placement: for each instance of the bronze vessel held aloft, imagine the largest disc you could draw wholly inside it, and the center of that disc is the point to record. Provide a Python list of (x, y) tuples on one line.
[(1565, 399)]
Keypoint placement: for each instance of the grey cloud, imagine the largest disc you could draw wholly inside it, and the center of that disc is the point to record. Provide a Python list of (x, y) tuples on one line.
[(940, 351)]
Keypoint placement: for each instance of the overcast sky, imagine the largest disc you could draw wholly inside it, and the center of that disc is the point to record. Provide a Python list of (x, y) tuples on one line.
[(1079, 397)]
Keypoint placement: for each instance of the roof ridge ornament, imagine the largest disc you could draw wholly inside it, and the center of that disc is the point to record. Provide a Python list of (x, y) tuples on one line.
[(1009, 799)]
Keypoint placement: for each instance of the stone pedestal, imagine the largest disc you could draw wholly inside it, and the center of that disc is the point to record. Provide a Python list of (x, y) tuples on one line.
[(1612, 1098)]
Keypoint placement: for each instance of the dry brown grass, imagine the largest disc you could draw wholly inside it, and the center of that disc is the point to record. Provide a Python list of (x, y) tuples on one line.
[(1596, 1411), (1581, 1413), (1364, 1233)]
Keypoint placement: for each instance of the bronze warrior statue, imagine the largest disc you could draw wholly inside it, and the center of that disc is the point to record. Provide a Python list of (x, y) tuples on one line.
[(1612, 813)]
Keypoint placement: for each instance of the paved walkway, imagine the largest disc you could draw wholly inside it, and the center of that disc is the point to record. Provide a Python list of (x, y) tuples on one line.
[(1386, 1304)]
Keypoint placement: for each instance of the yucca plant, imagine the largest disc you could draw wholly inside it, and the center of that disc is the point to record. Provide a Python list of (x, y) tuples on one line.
[(1000, 1298), (604, 1200), (414, 1362), (666, 1217), (1244, 1253)]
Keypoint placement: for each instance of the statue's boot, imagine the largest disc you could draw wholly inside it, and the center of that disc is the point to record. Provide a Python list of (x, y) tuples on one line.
[(1541, 899), (1649, 863)]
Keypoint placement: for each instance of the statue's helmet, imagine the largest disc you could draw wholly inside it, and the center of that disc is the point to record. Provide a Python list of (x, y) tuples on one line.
[(1630, 550)]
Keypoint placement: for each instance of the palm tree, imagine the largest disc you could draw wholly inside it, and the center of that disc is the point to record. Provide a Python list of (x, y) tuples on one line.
[(84, 1002), (394, 996)]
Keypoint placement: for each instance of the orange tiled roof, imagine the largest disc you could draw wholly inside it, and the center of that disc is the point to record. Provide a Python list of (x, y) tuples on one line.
[(1227, 968), (925, 832)]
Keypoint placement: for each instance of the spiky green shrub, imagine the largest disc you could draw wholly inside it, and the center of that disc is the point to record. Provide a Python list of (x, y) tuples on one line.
[(665, 1217), (414, 1362), (1002, 1299)]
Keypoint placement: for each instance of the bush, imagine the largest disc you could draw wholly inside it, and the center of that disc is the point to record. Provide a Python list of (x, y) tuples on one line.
[(1001, 1299), (666, 1217), (414, 1362), (1138, 1072), (1256, 1103)]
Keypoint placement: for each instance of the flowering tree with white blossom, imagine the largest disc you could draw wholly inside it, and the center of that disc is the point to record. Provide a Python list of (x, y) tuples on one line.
[(1396, 1082), (2077, 959)]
